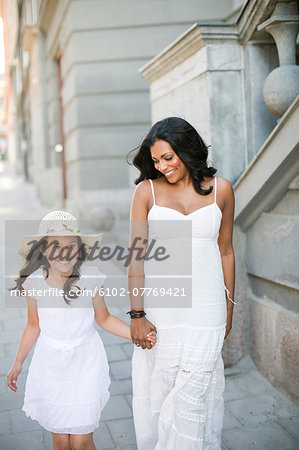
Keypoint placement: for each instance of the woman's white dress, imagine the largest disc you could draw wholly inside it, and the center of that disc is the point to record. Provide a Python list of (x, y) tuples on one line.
[(178, 385), (68, 378)]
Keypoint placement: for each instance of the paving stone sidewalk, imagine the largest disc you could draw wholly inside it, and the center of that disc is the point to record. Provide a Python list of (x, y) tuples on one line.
[(256, 415)]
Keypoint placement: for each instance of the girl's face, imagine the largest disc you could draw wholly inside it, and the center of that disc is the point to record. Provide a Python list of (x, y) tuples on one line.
[(61, 253), (168, 162)]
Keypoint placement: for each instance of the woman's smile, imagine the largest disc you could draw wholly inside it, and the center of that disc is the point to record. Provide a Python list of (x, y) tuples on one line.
[(170, 173), (167, 161)]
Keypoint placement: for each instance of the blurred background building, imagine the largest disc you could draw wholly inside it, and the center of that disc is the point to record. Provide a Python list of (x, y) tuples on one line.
[(75, 86), (77, 104), (3, 118)]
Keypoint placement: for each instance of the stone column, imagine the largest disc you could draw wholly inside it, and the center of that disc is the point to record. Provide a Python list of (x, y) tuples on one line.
[(282, 84)]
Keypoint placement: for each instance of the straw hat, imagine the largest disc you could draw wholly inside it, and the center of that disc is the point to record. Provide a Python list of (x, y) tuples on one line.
[(57, 223)]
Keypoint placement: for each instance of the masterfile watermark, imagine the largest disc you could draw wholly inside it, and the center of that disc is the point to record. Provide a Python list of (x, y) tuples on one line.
[(105, 253), (159, 252)]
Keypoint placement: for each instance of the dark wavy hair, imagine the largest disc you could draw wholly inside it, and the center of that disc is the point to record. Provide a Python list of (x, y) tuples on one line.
[(185, 142), (36, 259)]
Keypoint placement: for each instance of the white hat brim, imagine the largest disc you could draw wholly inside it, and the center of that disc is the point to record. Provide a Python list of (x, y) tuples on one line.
[(88, 239)]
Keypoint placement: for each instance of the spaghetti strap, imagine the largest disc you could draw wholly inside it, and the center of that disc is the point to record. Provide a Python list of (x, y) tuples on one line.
[(215, 189), (153, 192)]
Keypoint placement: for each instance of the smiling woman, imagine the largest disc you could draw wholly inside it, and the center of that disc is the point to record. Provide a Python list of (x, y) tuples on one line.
[(173, 144), (178, 385)]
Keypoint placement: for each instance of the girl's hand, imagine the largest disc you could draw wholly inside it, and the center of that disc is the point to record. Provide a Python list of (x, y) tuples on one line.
[(12, 376), (152, 337)]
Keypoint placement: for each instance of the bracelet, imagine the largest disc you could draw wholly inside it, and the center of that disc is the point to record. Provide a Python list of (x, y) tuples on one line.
[(136, 314)]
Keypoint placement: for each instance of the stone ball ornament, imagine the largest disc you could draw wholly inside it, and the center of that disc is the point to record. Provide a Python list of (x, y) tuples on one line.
[(281, 88), (282, 84), (102, 218)]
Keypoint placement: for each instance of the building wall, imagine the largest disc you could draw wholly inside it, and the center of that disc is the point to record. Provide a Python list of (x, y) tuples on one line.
[(207, 89), (10, 26), (106, 108), (219, 94), (273, 292), (215, 81)]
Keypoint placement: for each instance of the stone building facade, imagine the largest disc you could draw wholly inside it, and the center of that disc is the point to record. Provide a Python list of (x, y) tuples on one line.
[(238, 84), (76, 88)]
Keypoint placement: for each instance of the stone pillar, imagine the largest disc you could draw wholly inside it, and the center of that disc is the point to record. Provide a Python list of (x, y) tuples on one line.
[(199, 77), (282, 84)]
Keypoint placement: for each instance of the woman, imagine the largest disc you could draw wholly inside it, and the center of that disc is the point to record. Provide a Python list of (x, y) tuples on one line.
[(178, 386)]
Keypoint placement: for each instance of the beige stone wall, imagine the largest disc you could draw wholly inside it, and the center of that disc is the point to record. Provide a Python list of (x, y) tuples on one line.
[(106, 101), (274, 345), (201, 78), (273, 293), (106, 107), (214, 76)]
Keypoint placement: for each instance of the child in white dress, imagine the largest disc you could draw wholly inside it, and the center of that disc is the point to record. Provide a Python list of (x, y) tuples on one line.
[(68, 379)]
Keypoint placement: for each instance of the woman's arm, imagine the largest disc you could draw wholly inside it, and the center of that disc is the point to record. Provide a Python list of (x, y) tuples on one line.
[(112, 324), (140, 327), (28, 339), (225, 242)]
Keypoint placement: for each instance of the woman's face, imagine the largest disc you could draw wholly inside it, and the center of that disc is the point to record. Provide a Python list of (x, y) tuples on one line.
[(168, 162), (62, 253)]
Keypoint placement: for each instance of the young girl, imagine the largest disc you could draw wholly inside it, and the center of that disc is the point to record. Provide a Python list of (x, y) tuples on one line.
[(68, 378)]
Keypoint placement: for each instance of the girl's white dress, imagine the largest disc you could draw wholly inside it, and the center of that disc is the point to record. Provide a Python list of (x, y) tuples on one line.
[(68, 378), (178, 385)]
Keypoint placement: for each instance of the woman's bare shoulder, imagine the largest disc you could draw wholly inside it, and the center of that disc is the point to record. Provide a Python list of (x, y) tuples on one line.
[(143, 188), (141, 200), (225, 189), (143, 193), (224, 183)]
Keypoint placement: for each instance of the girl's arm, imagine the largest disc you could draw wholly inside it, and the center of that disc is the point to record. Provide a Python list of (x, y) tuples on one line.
[(225, 242), (112, 324), (28, 339)]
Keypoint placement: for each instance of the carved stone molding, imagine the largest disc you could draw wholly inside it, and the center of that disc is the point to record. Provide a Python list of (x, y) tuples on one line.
[(253, 13), (186, 45), (266, 179)]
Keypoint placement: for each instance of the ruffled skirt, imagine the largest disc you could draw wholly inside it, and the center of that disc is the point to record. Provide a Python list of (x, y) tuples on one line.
[(178, 390), (67, 385)]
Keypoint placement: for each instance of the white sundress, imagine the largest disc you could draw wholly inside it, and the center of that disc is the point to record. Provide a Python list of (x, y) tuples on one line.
[(68, 378), (178, 385)]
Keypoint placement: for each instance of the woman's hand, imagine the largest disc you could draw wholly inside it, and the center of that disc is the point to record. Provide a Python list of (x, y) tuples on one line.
[(228, 328), (140, 329), (12, 376)]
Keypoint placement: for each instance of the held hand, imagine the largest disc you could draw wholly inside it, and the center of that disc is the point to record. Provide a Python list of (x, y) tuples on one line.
[(152, 337), (140, 328), (12, 376)]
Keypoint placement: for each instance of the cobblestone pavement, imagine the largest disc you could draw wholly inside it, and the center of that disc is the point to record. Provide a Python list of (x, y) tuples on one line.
[(256, 415)]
